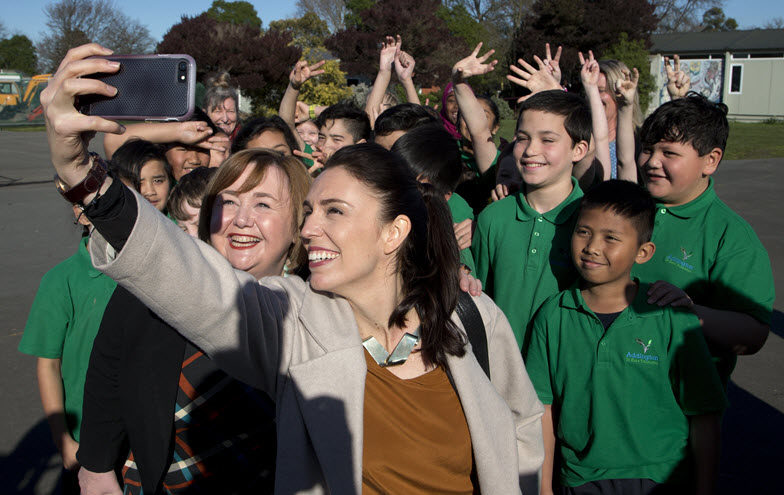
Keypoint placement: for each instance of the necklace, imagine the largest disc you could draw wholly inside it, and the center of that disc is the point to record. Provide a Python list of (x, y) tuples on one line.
[(399, 354)]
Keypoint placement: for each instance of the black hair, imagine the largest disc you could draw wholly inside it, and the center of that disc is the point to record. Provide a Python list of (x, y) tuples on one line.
[(128, 160), (428, 259), (198, 115), (253, 128), (432, 154), (191, 189), (693, 119), (493, 109), (626, 199), (355, 120), (574, 109), (403, 117)]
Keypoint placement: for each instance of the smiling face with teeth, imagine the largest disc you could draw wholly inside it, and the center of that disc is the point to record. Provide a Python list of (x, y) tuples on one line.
[(254, 229), (544, 150), (345, 239)]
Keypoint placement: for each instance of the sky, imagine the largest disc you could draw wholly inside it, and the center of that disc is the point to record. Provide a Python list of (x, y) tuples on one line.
[(26, 16)]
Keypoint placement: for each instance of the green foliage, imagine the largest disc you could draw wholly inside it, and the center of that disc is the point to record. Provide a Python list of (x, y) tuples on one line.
[(461, 24), (714, 20), (239, 12), (328, 88), (353, 9), (307, 32), (503, 108), (634, 54), (18, 53)]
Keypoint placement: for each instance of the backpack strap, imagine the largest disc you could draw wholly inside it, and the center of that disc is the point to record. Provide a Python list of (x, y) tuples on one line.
[(475, 329)]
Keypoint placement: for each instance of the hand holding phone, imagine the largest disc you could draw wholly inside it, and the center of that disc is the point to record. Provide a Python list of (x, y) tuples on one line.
[(156, 87)]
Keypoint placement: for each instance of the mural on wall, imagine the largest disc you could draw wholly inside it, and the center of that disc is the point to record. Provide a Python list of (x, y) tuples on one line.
[(706, 78)]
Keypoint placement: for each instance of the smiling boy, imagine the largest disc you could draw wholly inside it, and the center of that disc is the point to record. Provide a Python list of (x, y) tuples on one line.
[(708, 259), (341, 125), (521, 243), (629, 389)]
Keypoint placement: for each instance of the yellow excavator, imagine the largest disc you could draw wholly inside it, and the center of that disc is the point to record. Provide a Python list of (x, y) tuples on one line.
[(20, 97)]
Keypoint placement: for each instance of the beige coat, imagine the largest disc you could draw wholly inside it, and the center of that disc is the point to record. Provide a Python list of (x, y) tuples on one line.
[(303, 348)]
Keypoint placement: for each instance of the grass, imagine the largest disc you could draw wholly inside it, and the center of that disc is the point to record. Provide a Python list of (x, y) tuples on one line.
[(746, 141)]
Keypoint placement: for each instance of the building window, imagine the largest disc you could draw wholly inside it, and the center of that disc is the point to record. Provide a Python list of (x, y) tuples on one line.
[(736, 79)]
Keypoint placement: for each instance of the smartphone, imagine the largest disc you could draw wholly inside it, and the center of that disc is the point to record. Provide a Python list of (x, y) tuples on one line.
[(155, 87)]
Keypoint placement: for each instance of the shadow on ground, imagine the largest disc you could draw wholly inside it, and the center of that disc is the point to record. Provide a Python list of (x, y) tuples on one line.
[(33, 458)]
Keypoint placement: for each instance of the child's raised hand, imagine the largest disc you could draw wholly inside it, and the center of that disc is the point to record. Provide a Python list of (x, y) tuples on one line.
[(626, 87), (664, 293), (553, 62), (404, 66), (389, 51), (589, 74), (473, 65), (191, 132), (303, 71), (535, 80), (678, 81)]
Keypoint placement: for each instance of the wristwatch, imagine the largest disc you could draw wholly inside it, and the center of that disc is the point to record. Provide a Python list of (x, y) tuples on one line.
[(90, 184)]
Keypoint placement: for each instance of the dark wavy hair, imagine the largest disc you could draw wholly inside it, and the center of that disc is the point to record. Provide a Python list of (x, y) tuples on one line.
[(428, 260), (129, 159), (694, 119), (253, 128)]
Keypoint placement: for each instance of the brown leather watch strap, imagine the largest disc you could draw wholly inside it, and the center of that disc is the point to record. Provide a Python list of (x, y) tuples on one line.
[(90, 184)]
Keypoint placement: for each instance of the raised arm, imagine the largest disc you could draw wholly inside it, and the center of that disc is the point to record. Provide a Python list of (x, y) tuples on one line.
[(547, 76), (404, 68), (678, 81), (390, 48), (471, 110), (198, 133), (301, 72), (626, 90), (589, 74)]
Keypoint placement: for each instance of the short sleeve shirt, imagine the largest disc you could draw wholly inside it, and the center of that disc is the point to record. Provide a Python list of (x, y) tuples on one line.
[(523, 257), (713, 254), (64, 321), (622, 395), (462, 211)]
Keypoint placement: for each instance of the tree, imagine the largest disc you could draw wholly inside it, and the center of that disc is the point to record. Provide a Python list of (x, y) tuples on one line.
[(681, 15), (307, 32), (775, 23), (328, 88), (258, 63), (354, 8), (331, 11), (425, 36), (581, 26), (714, 20), (74, 22), (18, 53), (238, 12)]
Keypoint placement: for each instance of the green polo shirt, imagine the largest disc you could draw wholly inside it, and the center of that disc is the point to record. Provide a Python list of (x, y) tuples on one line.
[(623, 395), (64, 321), (523, 257), (462, 211), (709, 251)]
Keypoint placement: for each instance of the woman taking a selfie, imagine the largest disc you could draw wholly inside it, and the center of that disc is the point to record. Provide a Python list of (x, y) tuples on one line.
[(375, 388)]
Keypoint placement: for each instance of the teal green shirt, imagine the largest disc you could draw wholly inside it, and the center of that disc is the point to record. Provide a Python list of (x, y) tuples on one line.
[(523, 256), (64, 321), (623, 395), (709, 251), (462, 211), (476, 191)]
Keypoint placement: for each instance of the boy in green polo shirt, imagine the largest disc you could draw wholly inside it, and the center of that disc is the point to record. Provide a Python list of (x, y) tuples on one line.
[(521, 243), (708, 259), (632, 400), (60, 330)]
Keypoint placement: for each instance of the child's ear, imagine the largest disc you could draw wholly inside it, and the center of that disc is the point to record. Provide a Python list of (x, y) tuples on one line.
[(711, 161), (645, 252), (579, 150)]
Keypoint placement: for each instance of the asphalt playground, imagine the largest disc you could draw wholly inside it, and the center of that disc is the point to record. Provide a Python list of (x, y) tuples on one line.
[(37, 232)]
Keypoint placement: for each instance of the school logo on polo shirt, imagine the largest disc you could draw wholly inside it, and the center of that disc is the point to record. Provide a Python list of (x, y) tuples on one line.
[(681, 260), (647, 356)]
